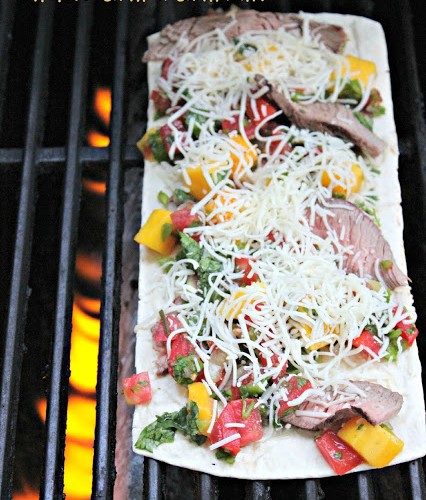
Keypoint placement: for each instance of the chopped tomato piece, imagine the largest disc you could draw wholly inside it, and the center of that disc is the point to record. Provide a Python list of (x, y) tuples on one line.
[(274, 145), (220, 432), (408, 329), (161, 102), (240, 412), (166, 133), (339, 455), (249, 416), (263, 108), (296, 386), (230, 125), (181, 346), (367, 339), (166, 67), (275, 361), (159, 333), (183, 218), (244, 264), (137, 389)]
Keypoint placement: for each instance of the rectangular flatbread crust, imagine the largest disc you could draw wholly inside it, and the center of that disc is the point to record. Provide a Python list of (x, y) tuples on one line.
[(291, 454)]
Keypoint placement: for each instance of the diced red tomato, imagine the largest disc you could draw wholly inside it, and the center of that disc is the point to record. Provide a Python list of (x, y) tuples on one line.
[(220, 432), (183, 218), (408, 329), (275, 361), (263, 107), (161, 102), (159, 333), (244, 264), (181, 346), (273, 146), (137, 389), (166, 67), (166, 133), (296, 386), (253, 430), (339, 455), (257, 307), (235, 392), (234, 412), (367, 339), (230, 125)]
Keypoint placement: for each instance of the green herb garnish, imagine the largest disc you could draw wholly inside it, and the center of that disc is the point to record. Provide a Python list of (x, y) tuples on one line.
[(225, 455)]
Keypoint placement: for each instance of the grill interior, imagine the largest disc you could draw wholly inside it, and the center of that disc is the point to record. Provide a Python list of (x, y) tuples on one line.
[(48, 69)]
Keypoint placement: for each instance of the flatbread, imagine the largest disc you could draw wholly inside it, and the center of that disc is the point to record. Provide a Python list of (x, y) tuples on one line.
[(290, 454)]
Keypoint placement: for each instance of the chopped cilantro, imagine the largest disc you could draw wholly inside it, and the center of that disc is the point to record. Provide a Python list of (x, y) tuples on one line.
[(225, 455), (386, 265), (360, 427), (340, 196), (180, 196), (246, 411), (164, 322), (338, 455), (185, 370), (163, 429), (166, 262), (301, 382), (352, 90)]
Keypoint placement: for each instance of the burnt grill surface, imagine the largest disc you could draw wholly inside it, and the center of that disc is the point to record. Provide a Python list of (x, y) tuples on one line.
[(36, 165)]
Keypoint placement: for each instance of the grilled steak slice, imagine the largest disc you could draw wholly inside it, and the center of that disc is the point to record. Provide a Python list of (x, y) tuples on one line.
[(332, 118), (332, 36), (369, 247), (377, 406)]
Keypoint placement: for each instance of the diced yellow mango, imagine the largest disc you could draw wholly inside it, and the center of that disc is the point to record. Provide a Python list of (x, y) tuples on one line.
[(143, 145), (362, 68), (238, 300), (249, 154), (198, 184), (217, 202), (152, 233), (377, 445), (355, 181), (198, 393)]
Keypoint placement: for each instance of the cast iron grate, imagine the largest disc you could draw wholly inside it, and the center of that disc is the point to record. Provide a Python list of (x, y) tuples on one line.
[(154, 480)]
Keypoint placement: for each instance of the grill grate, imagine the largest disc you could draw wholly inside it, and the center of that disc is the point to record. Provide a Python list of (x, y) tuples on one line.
[(150, 479)]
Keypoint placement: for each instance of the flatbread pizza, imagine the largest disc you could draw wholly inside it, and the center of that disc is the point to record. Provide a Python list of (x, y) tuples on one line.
[(276, 332)]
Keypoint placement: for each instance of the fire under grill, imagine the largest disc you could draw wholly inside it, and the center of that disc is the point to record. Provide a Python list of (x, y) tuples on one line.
[(52, 54)]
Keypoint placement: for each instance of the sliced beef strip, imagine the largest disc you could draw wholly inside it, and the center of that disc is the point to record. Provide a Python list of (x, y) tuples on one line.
[(377, 406), (366, 239), (332, 36), (332, 118)]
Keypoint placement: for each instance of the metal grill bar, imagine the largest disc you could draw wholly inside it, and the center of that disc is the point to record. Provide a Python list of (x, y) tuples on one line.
[(365, 486), (21, 259), (56, 157), (103, 462), (312, 489), (52, 486), (207, 487), (7, 15), (153, 477)]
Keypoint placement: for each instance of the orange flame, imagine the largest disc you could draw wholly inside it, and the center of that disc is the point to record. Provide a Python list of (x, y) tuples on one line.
[(102, 104), (88, 267), (97, 139), (95, 187)]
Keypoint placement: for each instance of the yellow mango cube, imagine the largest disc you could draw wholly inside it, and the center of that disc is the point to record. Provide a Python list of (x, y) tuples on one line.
[(155, 233), (377, 445), (217, 202), (235, 304), (361, 69), (198, 393), (248, 156), (198, 184), (355, 181)]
